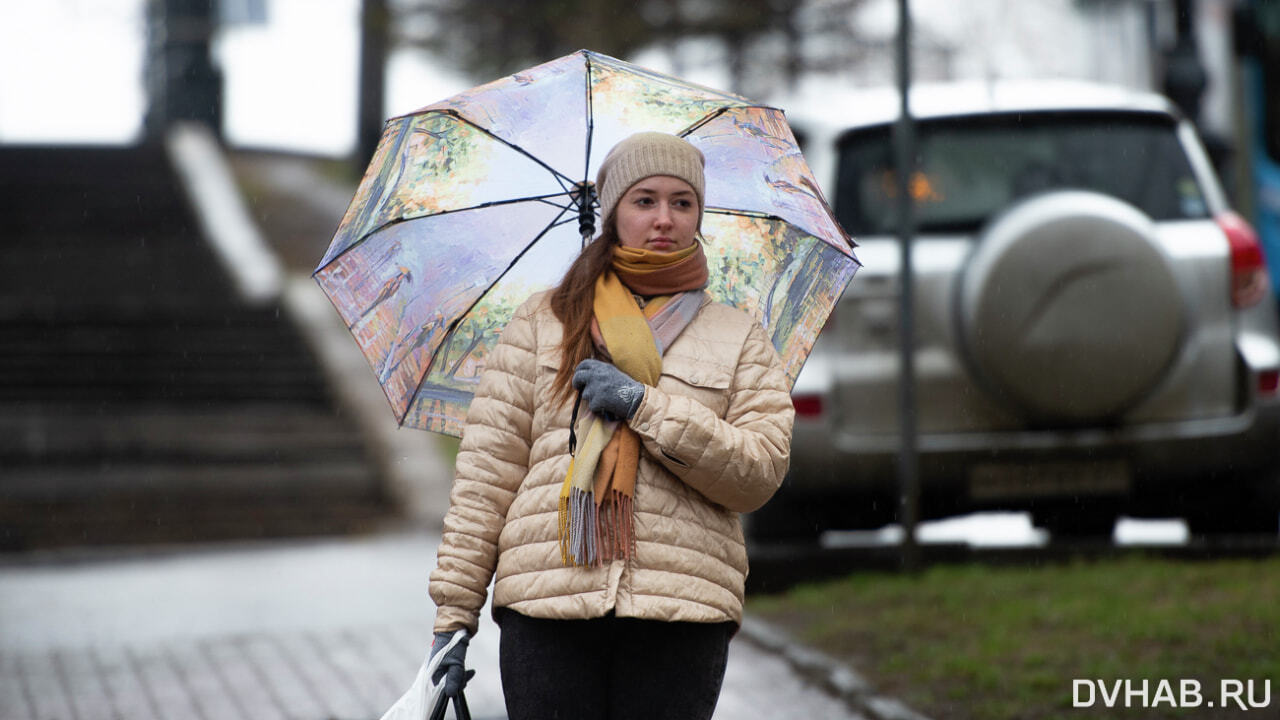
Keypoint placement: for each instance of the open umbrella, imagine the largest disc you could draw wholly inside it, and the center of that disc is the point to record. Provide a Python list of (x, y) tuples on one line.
[(474, 203)]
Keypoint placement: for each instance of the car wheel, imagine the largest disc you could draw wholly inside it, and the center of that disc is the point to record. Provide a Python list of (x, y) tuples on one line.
[(1247, 514), (1068, 310), (1074, 524), (784, 520)]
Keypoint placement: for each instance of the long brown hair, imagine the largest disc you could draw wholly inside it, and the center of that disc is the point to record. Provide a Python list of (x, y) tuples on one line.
[(573, 302)]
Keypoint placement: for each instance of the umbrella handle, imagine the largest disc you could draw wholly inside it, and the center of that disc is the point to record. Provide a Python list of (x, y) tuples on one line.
[(460, 709), (573, 426)]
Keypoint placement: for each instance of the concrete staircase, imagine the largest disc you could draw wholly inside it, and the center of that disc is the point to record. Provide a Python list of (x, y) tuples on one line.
[(140, 399)]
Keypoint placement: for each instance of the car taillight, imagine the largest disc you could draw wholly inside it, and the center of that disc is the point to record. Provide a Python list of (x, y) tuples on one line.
[(807, 405), (1268, 382), (1249, 283), (831, 319)]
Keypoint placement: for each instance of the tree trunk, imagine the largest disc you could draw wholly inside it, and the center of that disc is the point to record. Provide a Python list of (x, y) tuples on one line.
[(735, 44)]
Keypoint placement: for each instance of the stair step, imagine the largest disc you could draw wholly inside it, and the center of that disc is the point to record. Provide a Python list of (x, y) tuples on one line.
[(251, 355), (229, 335), (150, 370), (250, 433), (151, 519), (305, 396), (53, 190), (282, 356), (344, 479)]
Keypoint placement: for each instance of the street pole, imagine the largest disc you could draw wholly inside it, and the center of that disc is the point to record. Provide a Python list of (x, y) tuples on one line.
[(904, 161), (182, 82), (375, 24)]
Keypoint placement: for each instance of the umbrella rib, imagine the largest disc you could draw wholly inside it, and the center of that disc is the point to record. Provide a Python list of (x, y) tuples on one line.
[(567, 208), (717, 113), (560, 177), (559, 222), (494, 203), (744, 213), (591, 120), (458, 321), (708, 118), (769, 216), (546, 199)]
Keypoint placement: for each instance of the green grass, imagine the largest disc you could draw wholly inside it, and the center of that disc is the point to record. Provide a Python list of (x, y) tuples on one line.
[(448, 447), (982, 643)]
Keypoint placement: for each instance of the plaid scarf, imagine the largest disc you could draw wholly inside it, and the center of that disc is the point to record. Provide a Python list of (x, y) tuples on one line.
[(596, 499)]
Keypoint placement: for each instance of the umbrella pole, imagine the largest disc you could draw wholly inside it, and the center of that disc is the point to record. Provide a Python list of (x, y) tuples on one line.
[(904, 159), (585, 196)]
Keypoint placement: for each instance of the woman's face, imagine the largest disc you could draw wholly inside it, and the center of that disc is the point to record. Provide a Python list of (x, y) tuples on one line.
[(659, 213)]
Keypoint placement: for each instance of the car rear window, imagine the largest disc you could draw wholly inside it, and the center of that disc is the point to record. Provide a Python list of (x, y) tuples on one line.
[(972, 167)]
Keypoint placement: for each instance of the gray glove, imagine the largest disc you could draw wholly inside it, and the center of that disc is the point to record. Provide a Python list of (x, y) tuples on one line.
[(609, 392), (451, 667)]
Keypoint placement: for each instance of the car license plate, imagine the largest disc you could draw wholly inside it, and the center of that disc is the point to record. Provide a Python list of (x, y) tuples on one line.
[(999, 481)]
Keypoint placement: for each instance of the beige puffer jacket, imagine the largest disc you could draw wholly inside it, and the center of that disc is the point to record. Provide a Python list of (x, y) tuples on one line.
[(717, 436)]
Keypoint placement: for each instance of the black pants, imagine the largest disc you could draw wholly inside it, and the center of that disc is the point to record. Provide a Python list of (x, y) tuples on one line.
[(611, 668)]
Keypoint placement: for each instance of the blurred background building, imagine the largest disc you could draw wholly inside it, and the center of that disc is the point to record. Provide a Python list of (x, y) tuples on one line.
[(286, 74)]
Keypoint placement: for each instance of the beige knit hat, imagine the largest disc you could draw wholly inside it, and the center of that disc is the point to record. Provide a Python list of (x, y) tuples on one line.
[(643, 155)]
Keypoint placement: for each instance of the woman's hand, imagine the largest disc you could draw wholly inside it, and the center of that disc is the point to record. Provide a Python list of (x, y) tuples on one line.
[(609, 392), (453, 666)]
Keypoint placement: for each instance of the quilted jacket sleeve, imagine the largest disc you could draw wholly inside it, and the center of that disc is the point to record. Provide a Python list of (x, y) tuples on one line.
[(492, 461), (739, 460)]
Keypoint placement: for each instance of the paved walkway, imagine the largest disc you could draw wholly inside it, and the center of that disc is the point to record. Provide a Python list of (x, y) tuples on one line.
[(316, 630)]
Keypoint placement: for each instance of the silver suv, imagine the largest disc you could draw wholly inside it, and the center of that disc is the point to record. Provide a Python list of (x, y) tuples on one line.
[(1096, 335)]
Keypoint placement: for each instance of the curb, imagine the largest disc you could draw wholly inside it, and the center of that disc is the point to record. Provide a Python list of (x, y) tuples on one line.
[(827, 673), (225, 223)]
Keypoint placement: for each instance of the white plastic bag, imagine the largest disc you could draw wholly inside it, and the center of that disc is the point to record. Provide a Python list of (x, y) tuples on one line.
[(424, 697)]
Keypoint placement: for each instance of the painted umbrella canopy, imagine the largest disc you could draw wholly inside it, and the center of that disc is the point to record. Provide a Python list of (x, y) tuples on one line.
[(471, 205)]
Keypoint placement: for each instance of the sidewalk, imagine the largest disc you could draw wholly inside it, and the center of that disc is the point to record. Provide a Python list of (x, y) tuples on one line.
[(298, 629), (287, 629)]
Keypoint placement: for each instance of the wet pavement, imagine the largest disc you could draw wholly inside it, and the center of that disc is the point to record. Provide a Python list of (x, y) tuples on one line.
[(313, 629)]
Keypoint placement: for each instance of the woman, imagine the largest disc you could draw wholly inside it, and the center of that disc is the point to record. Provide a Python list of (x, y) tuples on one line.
[(618, 548)]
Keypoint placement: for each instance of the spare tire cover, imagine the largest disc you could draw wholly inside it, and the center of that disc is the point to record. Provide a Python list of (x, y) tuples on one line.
[(1068, 309)]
